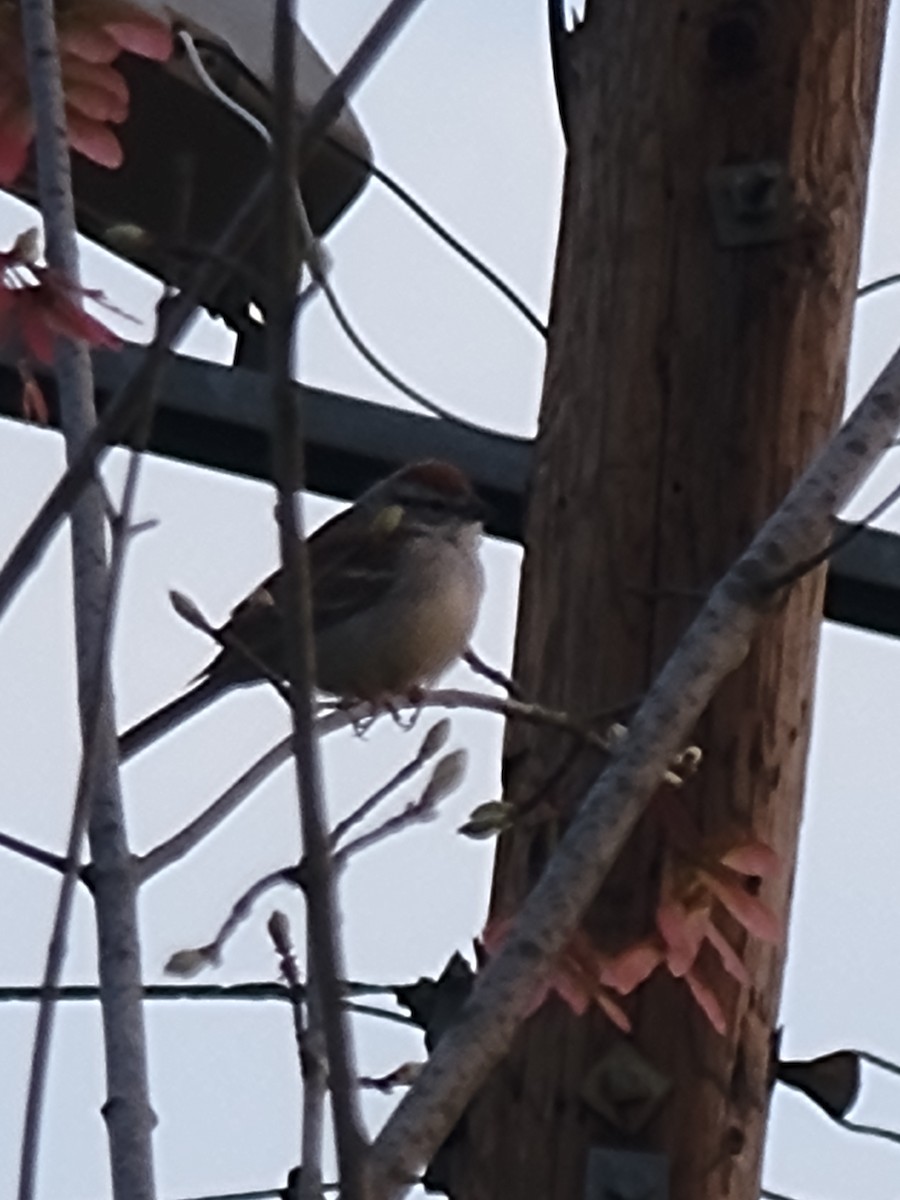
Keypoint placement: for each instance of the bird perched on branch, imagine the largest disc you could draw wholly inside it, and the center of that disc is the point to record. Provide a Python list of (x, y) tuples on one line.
[(396, 586)]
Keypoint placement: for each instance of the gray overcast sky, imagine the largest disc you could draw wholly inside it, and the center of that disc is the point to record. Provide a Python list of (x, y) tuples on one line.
[(462, 111)]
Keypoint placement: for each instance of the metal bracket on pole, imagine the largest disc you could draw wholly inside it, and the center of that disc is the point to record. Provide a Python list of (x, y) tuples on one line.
[(624, 1088), (626, 1175), (752, 203)]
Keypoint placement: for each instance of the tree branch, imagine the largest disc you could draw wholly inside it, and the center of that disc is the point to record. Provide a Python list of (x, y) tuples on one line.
[(714, 646), (98, 799), (33, 853), (325, 966)]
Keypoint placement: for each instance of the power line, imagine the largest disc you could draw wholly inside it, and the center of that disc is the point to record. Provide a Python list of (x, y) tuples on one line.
[(416, 207), (318, 268)]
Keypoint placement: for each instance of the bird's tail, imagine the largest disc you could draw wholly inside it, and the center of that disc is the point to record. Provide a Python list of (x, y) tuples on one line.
[(145, 732)]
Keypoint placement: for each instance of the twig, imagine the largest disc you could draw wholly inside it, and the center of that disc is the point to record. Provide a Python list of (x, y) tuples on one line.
[(98, 799), (313, 1063), (714, 645), (180, 844), (189, 611), (130, 405), (321, 901), (445, 778), (492, 674), (432, 744), (34, 853), (847, 534), (189, 961)]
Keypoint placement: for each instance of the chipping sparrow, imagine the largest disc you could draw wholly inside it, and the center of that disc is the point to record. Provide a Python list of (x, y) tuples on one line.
[(396, 586)]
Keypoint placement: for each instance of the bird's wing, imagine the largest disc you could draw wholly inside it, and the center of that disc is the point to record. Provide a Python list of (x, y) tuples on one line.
[(349, 572)]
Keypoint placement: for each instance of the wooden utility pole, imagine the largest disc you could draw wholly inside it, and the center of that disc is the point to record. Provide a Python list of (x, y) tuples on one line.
[(714, 195)]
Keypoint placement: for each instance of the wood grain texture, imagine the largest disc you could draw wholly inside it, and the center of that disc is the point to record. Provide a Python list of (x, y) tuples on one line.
[(686, 387)]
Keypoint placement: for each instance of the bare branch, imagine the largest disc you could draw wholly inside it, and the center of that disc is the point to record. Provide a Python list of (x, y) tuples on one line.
[(187, 839), (189, 961), (714, 646), (178, 846), (98, 798), (492, 674), (33, 853), (313, 1062), (189, 611), (445, 778), (287, 455), (432, 743)]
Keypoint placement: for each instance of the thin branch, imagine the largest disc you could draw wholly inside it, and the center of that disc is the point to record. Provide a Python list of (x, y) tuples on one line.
[(288, 472), (313, 1063), (492, 674), (432, 743), (180, 844), (34, 853), (97, 805), (190, 960), (847, 534), (715, 645), (279, 931), (190, 612), (445, 778)]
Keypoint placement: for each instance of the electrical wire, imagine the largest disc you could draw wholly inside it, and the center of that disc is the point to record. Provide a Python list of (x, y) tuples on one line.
[(415, 206), (876, 285), (318, 265)]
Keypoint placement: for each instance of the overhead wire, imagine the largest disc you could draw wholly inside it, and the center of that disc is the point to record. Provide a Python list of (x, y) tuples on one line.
[(378, 173), (318, 267)]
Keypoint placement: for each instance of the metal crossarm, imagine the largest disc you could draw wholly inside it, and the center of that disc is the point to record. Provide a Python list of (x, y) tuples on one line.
[(217, 416)]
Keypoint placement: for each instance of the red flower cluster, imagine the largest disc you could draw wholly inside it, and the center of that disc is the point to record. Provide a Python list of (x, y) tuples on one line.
[(92, 34), (38, 305)]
